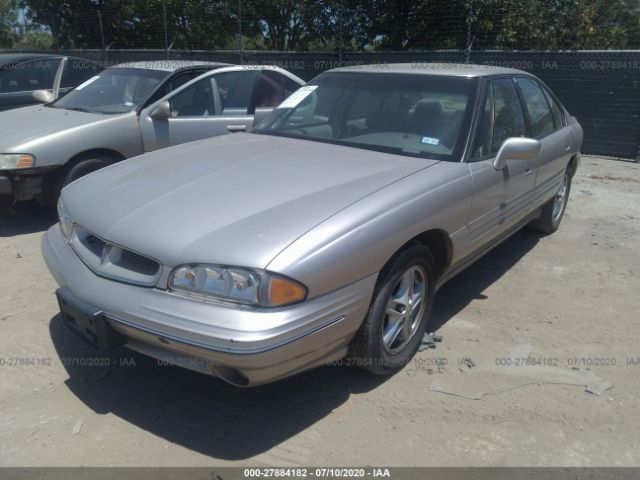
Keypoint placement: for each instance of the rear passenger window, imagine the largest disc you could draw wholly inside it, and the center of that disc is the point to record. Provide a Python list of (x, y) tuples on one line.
[(508, 117), (558, 116), (537, 107), (273, 88)]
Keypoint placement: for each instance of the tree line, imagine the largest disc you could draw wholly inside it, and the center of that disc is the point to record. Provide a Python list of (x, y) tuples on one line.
[(304, 25)]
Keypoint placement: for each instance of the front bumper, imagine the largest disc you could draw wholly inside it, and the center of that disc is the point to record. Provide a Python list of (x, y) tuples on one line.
[(6, 188), (22, 185), (244, 346)]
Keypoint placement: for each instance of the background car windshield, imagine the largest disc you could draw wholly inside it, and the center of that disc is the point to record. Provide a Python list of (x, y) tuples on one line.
[(116, 90), (407, 114)]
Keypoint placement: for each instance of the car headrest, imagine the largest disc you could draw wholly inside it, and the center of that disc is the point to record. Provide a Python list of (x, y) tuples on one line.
[(427, 109)]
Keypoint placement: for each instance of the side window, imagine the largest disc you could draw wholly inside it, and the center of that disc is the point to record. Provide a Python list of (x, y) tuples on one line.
[(173, 84), (558, 116), (29, 76), (270, 91), (76, 71), (537, 107), (235, 90), (290, 86), (508, 117), (482, 143), (194, 101)]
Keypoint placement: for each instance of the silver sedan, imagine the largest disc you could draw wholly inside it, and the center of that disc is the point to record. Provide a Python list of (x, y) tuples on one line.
[(127, 110), (323, 234)]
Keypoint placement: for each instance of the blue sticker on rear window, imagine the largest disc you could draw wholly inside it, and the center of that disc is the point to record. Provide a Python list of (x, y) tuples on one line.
[(430, 140)]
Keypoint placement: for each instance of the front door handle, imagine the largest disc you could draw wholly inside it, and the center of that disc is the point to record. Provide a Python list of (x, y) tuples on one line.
[(236, 128), (528, 170)]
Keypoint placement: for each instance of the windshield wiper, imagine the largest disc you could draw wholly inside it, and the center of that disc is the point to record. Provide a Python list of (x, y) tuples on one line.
[(78, 109)]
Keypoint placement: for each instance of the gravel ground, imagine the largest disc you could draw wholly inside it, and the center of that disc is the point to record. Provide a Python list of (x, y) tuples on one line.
[(538, 365)]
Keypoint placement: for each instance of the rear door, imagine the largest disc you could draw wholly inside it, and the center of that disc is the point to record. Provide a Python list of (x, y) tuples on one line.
[(214, 104), (501, 198), (546, 124), (19, 80)]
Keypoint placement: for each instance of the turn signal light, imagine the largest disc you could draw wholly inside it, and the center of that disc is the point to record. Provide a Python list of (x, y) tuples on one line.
[(283, 291)]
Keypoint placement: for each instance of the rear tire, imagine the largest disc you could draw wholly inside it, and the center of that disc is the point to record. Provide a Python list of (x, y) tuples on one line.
[(70, 173), (395, 324), (553, 210)]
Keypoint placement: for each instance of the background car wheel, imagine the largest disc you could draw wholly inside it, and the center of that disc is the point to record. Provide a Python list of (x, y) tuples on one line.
[(393, 329), (553, 211), (71, 172)]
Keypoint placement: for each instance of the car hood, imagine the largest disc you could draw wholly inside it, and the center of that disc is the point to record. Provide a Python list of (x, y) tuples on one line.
[(236, 200), (22, 125)]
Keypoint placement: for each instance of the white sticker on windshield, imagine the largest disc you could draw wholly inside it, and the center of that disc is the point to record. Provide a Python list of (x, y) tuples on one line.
[(297, 97), (88, 82), (430, 140)]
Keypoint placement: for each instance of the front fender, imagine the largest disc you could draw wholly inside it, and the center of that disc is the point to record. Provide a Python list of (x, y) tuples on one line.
[(359, 240), (118, 133)]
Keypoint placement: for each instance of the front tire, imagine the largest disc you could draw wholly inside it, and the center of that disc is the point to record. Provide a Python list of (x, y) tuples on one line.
[(393, 329)]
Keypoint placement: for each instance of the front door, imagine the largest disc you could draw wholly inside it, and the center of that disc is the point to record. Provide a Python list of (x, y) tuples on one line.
[(214, 104), (501, 198)]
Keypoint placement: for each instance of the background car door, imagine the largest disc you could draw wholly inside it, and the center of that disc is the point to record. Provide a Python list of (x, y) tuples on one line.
[(18, 81), (501, 198), (546, 123), (208, 106)]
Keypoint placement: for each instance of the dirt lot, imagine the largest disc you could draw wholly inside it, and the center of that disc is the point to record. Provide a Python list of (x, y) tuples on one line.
[(527, 331)]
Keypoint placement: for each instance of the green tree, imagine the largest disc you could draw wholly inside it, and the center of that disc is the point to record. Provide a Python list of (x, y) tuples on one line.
[(8, 21), (36, 40)]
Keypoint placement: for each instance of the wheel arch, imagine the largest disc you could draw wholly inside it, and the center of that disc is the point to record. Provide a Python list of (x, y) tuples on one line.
[(94, 153), (573, 164), (440, 245)]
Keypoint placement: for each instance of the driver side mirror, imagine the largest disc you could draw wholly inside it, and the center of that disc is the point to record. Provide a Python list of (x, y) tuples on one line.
[(517, 148), (43, 96), (162, 111)]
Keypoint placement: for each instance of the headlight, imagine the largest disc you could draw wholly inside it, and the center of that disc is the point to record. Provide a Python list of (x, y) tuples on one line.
[(15, 161), (237, 285), (65, 218)]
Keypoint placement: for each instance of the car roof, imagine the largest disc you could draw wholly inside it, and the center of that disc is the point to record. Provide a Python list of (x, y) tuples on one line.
[(433, 68), (6, 58), (170, 65)]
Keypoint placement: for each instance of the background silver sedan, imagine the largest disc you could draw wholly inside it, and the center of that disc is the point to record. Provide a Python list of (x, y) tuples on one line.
[(128, 110), (324, 233)]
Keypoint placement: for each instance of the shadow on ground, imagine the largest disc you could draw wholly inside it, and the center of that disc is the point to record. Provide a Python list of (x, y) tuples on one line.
[(24, 218), (456, 294), (208, 416)]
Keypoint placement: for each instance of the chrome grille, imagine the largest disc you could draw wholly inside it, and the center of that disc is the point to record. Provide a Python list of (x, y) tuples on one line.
[(113, 261)]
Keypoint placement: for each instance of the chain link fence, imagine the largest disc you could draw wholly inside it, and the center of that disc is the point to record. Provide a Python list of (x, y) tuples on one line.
[(597, 84)]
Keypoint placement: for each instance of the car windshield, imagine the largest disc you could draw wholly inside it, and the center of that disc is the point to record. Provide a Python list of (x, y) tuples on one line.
[(115, 90), (407, 114)]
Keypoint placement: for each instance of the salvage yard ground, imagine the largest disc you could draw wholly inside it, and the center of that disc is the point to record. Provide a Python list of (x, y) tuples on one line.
[(539, 365)]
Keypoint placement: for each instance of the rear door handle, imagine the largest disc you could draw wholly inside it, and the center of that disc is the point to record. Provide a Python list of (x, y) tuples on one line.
[(528, 170), (236, 128), (567, 147)]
